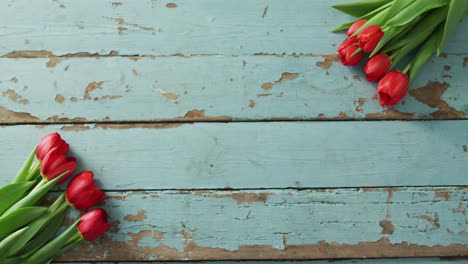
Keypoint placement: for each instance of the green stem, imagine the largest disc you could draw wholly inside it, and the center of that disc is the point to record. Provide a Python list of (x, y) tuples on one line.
[(34, 172), (40, 184), (54, 247), (407, 68)]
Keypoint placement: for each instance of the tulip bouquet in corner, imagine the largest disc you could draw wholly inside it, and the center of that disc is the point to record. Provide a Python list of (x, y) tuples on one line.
[(28, 228), (387, 31)]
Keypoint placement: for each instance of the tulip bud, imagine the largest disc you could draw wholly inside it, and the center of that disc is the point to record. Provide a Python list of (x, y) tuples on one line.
[(355, 27), (82, 192), (346, 51), (392, 88), (55, 164), (369, 38), (377, 66), (50, 141), (93, 224)]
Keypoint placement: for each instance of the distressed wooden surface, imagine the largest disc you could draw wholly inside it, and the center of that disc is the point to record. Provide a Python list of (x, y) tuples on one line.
[(150, 27), (123, 81), (258, 155), (279, 224), (354, 261), (217, 88)]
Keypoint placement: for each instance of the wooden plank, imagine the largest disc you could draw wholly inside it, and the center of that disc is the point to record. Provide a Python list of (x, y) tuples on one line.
[(150, 27), (282, 224), (354, 261), (217, 88), (257, 155)]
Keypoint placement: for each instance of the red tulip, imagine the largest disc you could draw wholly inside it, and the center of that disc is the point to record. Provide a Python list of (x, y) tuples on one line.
[(93, 224), (377, 66), (55, 163), (369, 38), (82, 192), (52, 140), (346, 51), (392, 88), (355, 27)]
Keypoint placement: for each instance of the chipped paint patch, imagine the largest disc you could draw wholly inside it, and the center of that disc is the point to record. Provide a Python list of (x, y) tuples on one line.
[(28, 54), (137, 125), (359, 104), (13, 96), (75, 128), (91, 87), (116, 4), (433, 221), (53, 61), (59, 98), (431, 95), (140, 216), (443, 194), (9, 116), (251, 103), (328, 61), (284, 76), (171, 5), (387, 227), (390, 114), (199, 115), (170, 96), (460, 209)]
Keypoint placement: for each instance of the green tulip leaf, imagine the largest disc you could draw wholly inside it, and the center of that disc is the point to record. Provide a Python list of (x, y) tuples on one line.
[(417, 35), (360, 8), (425, 52), (23, 172), (366, 17), (393, 33), (10, 241), (397, 7), (35, 195), (414, 10), (456, 14), (54, 247), (12, 193), (18, 218), (39, 225), (44, 235)]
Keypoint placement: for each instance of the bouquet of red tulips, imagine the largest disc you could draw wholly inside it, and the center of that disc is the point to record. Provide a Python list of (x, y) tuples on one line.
[(27, 226), (391, 30)]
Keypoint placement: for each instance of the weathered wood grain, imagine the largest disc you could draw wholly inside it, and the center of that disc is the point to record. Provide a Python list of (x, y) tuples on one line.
[(217, 88), (149, 27), (257, 155), (354, 261), (282, 224)]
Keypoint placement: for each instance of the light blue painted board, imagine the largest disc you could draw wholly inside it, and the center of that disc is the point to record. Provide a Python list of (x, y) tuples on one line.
[(225, 88), (257, 155), (194, 27), (282, 224)]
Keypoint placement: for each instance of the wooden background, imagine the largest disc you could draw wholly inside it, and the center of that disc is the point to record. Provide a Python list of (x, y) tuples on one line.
[(228, 130)]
